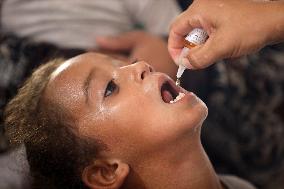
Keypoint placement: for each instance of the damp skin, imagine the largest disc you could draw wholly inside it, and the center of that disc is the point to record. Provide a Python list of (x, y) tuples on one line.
[(133, 121)]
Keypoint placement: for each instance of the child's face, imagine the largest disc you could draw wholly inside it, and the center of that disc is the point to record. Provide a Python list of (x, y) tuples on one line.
[(123, 106)]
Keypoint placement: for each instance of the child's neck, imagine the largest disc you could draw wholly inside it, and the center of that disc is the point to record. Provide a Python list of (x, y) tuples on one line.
[(186, 169)]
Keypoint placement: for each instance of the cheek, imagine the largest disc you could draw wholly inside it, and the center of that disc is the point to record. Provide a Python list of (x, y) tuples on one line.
[(144, 128), (140, 125), (131, 126)]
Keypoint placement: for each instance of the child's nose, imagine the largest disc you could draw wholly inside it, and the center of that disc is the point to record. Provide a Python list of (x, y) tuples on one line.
[(136, 72), (142, 70)]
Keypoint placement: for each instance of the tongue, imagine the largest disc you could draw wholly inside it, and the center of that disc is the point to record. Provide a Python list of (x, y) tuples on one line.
[(167, 97)]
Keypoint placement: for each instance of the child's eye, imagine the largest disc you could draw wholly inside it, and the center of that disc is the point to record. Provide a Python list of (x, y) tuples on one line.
[(111, 87)]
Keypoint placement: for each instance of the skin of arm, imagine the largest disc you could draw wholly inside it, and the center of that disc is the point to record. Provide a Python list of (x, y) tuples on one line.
[(154, 16), (275, 10), (141, 45)]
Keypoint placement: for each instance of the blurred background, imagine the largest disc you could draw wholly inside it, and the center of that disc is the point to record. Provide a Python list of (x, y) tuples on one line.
[(243, 134)]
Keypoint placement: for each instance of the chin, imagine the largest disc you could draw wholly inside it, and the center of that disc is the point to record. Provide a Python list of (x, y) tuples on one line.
[(203, 111), (196, 116)]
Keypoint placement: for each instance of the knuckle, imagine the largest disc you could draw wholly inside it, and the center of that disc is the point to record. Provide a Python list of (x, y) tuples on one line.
[(196, 62)]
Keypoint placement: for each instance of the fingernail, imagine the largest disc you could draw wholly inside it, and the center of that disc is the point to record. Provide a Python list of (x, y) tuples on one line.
[(184, 52), (186, 63), (176, 60)]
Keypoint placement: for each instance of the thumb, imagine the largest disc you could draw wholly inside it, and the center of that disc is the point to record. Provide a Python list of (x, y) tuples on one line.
[(215, 48), (123, 42)]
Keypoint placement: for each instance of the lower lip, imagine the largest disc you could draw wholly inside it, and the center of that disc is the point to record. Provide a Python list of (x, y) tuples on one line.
[(189, 96)]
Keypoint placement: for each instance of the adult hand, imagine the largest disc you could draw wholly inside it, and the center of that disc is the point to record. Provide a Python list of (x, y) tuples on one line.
[(141, 46), (235, 28)]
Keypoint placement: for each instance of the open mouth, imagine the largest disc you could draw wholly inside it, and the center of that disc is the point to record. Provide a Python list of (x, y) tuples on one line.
[(170, 93)]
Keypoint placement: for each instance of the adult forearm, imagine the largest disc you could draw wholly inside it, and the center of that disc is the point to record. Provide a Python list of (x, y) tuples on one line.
[(276, 25)]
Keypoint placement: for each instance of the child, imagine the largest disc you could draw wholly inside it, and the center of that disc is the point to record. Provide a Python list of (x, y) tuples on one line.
[(90, 122)]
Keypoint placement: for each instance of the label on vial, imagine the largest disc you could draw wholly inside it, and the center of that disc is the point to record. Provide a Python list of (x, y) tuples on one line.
[(197, 36)]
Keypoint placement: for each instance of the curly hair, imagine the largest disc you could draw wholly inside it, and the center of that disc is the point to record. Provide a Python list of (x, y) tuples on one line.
[(55, 152)]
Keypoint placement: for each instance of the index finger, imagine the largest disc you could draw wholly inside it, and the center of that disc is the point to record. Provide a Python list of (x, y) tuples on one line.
[(179, 29)]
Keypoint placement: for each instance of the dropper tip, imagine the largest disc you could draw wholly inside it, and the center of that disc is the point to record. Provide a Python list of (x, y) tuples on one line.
[(180, 71), (178, 82)]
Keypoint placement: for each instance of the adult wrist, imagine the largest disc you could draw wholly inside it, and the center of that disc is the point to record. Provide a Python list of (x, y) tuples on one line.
[(273, 13)]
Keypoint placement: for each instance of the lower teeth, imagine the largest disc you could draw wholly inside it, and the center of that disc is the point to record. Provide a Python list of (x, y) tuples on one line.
[(180, 96)]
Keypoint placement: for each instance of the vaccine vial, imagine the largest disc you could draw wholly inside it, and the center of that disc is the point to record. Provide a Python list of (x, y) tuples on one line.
[(196, 37)]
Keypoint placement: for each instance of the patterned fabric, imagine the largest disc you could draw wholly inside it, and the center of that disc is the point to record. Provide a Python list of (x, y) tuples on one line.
[(18, 57), (244, 131)]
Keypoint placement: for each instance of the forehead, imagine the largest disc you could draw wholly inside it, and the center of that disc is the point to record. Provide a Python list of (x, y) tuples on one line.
[(65, 86), (84, 62)]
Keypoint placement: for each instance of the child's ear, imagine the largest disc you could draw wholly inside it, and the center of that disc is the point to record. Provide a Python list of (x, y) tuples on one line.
[(102, 174)]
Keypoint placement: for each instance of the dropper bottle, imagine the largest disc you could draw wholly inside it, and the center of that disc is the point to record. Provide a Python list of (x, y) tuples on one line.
[(196, 37)]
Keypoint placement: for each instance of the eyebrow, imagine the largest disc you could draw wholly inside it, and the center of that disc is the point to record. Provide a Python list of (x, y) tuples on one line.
[(86, 85)]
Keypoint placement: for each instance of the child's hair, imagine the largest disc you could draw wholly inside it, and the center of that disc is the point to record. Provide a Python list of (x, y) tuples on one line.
[(55, 152)]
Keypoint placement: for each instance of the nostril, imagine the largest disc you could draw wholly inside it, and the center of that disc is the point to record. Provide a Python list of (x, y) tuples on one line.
[(147, 71), (143, 75)]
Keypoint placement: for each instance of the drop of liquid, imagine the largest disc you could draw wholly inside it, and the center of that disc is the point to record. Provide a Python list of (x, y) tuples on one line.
[(178, 82)]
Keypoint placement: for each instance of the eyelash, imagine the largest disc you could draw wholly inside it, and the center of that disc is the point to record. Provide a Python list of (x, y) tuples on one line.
[(134, 61), (112, 87)]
